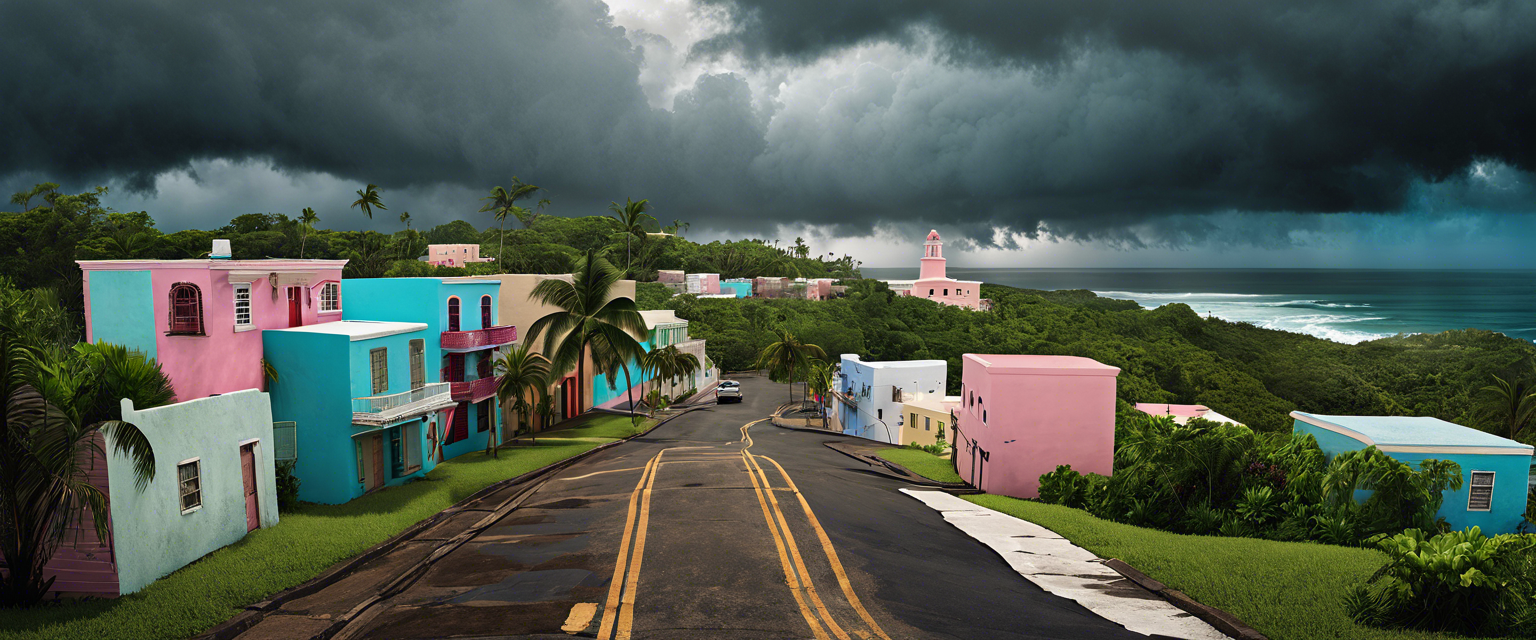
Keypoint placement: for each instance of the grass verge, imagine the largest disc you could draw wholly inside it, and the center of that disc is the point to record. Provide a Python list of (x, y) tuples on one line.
[(922, 463), (1286, 590), (300, 547)]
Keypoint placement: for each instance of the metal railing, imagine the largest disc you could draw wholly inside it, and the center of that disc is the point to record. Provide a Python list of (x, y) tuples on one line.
[(473, 390), (478, 339), (395, 406)]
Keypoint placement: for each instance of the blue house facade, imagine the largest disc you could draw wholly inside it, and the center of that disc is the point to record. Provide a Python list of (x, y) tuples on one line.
[(367, 411), (1495, 471), (461, 340)]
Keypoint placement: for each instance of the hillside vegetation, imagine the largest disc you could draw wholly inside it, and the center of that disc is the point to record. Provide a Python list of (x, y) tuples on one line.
[(1168, 354)]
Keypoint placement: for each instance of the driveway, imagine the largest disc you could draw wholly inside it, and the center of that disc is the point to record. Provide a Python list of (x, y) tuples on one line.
[(719, 525)]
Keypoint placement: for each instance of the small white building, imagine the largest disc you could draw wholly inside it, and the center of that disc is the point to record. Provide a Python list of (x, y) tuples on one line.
[(454, 255), (871, 395)]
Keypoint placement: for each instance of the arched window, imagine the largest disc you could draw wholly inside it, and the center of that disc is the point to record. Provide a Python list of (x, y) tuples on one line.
[(485, 312), (186, 310), (453, 314)]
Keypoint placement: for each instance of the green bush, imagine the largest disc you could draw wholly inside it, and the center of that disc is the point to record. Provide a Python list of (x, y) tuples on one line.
[(1065, 487), (287, 486), (1460, 581)]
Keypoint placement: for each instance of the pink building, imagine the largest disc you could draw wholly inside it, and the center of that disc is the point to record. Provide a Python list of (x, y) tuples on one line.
[(670, 276), (454, 255), (932, 284), (1021, 415), (1183, 413), (202, 319), (702, 283), (818, 289)]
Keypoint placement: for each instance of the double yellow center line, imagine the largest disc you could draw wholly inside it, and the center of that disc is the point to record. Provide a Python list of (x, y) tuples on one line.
[(618, 615)]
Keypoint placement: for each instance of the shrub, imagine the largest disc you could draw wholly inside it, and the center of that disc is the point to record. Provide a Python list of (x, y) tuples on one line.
[(1259, 506), (1460, 581), (1064, 486), (287, 486), (1401, 498)]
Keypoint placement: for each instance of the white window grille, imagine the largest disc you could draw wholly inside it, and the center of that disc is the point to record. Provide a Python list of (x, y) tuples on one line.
[(189, 477), (330, 296), (243, 305)]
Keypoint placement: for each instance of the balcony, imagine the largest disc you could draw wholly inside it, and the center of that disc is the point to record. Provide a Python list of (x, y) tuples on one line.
[(474, 390), (461, 341), (376, 411)]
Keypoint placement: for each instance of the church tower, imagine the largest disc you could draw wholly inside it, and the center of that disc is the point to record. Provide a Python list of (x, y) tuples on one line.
[(933, 257)]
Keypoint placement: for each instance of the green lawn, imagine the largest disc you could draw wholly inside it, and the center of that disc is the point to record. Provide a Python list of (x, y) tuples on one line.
[(1286, 590), (304, 544), (923, 463)]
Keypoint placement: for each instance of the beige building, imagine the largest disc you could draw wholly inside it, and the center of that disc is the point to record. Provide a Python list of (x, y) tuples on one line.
[(518, 310), (923, 420)]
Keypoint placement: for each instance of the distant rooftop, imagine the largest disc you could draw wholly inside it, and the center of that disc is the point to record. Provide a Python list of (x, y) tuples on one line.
[(1055, 365), (1402, 431), (359, 329), (895, 364), (1183, 413)]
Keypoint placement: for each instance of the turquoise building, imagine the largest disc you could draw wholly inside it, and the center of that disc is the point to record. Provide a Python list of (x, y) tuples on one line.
[(461, 338), (741, 287), (367, 411), (1495, 472)]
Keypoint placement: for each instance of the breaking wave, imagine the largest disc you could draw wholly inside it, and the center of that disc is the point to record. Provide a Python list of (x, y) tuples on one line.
[(1336, 321)]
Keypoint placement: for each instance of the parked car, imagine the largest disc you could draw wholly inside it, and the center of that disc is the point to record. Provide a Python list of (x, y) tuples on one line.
[(728, 391)]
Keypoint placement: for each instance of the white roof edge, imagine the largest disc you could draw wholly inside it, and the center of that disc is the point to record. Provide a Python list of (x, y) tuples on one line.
[(1523, 449)]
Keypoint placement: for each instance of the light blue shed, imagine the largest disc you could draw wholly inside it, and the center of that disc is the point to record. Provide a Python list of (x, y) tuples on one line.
[(1495, 472)]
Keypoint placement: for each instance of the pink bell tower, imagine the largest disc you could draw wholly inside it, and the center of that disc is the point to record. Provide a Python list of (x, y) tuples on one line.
[(933, 257)]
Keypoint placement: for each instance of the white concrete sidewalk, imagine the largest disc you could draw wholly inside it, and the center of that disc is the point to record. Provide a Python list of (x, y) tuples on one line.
[(1067, 570)]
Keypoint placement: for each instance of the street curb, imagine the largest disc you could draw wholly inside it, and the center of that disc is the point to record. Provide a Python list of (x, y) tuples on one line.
[(257, 611), (1223, 621), (894, 471)]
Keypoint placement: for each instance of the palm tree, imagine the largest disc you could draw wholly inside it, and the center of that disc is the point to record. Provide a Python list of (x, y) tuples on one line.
[(368, 200), (629, 219), (56, 402), (307, 218), (503, 202), (588, 313), (521, 372), (787, 357), (545, 409), (611, 354), (529, 217), (1511, 404), (670, 363), (128, 244), (818, 381), (406, 218)]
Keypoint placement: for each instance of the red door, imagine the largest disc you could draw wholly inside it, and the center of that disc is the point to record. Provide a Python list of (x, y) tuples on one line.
[(455, 367), (295, 314), (460, 423), (248, 475)]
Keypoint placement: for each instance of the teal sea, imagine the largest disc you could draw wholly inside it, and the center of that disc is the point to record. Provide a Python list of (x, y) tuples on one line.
[(1344, 305)]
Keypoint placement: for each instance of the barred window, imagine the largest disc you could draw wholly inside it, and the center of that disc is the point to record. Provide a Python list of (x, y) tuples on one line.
[(379, 366), (243, 305), (189, 477), (330, 296), (418, 364), (186, 309)]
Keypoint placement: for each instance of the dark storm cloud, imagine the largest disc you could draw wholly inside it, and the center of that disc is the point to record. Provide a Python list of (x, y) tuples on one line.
[(1318, 106), (1088, 119)]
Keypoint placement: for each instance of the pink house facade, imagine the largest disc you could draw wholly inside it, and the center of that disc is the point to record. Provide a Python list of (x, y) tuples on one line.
[(933, 284), (454, 255), (202, 319), (1022, 415)]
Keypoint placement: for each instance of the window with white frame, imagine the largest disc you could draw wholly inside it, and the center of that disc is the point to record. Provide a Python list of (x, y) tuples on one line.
[(330, 296), (243, 305), (189, 478)]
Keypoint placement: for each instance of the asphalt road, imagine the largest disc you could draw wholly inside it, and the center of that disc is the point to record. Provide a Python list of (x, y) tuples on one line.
[(695, 531)]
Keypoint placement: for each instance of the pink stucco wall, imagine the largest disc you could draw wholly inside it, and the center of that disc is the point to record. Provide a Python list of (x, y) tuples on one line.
[(961, 293), (454, 255), (1040, 412)]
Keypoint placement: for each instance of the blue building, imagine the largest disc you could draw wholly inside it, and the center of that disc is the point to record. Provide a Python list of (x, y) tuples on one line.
[(462, 336), (1495, 472), (741, 287), (366, 410)]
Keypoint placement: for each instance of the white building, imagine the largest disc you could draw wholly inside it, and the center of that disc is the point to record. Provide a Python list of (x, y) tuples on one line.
[(871, 395)]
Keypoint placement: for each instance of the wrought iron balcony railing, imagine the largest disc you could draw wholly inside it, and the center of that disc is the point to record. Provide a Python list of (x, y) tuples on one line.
[(458, 341), (474, 390)]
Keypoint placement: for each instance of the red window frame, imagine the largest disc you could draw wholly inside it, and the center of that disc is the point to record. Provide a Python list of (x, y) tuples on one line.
[(453, 314), (485, 312), (186, 310)]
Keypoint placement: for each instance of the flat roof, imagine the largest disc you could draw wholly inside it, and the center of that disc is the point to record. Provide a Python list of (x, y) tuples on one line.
[(1035, 364), (359, 329), (1409, 434), (895, 364), (261, 264)]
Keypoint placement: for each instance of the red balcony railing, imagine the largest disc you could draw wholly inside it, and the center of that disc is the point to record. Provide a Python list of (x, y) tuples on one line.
[(478, 339), (474, 390)]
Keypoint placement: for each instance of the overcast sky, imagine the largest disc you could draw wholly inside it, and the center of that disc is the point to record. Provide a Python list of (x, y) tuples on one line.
[(1388, 133)]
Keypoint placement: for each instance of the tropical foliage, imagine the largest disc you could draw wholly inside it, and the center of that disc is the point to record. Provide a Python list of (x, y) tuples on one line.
[(1458, 581), (1214, 478), (521, 375), (59, 402), (788, 359)]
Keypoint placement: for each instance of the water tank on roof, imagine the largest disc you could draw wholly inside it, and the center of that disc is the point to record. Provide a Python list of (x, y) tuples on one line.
[(220, 249)]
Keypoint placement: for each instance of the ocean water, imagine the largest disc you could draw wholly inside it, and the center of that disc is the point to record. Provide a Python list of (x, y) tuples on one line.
[(1337, 304)]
